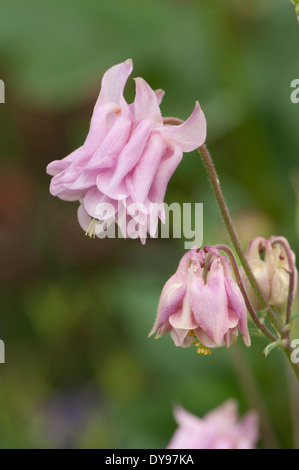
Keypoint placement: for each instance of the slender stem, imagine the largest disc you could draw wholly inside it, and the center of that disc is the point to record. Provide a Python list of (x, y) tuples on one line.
[(288, 350), (294, 405), (208, 162), (283, 332), (253, 315), (172, 121), (285, 246)]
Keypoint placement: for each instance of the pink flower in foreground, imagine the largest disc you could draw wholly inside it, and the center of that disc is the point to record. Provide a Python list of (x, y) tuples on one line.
[(269, 265), (202, 301), (128, 156), (219, 429)]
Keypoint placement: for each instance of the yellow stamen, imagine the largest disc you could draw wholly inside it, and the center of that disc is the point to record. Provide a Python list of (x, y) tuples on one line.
[(201, 348), (191, 333), (91, 231)]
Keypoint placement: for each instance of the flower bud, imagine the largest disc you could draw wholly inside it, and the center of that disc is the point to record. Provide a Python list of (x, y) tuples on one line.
[(269, 264)]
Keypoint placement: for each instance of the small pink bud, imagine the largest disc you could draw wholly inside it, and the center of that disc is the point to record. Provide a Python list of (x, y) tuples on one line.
[(271, 271), (201, 303)]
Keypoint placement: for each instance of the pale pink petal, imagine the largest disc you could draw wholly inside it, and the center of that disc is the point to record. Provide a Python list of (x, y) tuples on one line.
[(83, 217), (57, 166), (183, 319), (224, 415), (190, 434), (102, 120), (173, 292), (185, 418), (109, 182), (146, 104), (219, 429), (209, 303), (205, 339), (140, 179), (71, 196), (112, 145), (99, 205), (159, 95), (253, 250), (249, 430), (113, 84), (171, 298), (85, 180), (171, 159), (191, 134), (230, 336), (235, 300)]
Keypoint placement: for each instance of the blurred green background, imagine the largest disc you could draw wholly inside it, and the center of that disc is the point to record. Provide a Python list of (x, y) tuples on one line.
[(80, 371)]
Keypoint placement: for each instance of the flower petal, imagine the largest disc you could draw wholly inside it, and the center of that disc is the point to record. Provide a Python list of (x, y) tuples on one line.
[(191, 134), (173, 292), (109, 182), (235, 300), (145, 105), (140, 180), (209, 303), (99, 205), (159, 95), (113, 84), (57, 166), (171, 159), (113, 143), (101, 122), (171, 298)]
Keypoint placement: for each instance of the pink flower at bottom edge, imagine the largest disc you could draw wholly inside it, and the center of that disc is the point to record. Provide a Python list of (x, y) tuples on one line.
[(218, 429)]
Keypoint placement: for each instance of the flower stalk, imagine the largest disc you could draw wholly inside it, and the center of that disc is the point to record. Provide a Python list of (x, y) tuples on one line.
[(283, 332), (208, 162)]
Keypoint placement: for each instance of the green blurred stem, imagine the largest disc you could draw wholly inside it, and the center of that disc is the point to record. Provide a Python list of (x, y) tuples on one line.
[(291, 264), (208, 162), (283, 332)]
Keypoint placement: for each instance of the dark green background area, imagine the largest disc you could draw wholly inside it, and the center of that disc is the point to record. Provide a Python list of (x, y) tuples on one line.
[(80, 371)]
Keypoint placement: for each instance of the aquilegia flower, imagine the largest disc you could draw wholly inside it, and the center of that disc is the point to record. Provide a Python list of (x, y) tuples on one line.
[(219, 429), (127, 158), (269, 265), (201, 303)]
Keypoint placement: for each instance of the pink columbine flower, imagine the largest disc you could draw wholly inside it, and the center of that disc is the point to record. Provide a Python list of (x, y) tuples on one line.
[(201, 303), (269, 265), (219, 429), (128, 156)]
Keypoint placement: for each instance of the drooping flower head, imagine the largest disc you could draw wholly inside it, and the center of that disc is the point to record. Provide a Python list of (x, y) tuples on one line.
[(128, 156), (201, 303), (218, 429), (269, 264)]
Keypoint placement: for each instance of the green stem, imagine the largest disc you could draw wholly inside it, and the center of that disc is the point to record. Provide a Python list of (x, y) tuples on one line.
[(208, 162), (250, 309), (285, 246), (283, 332)]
